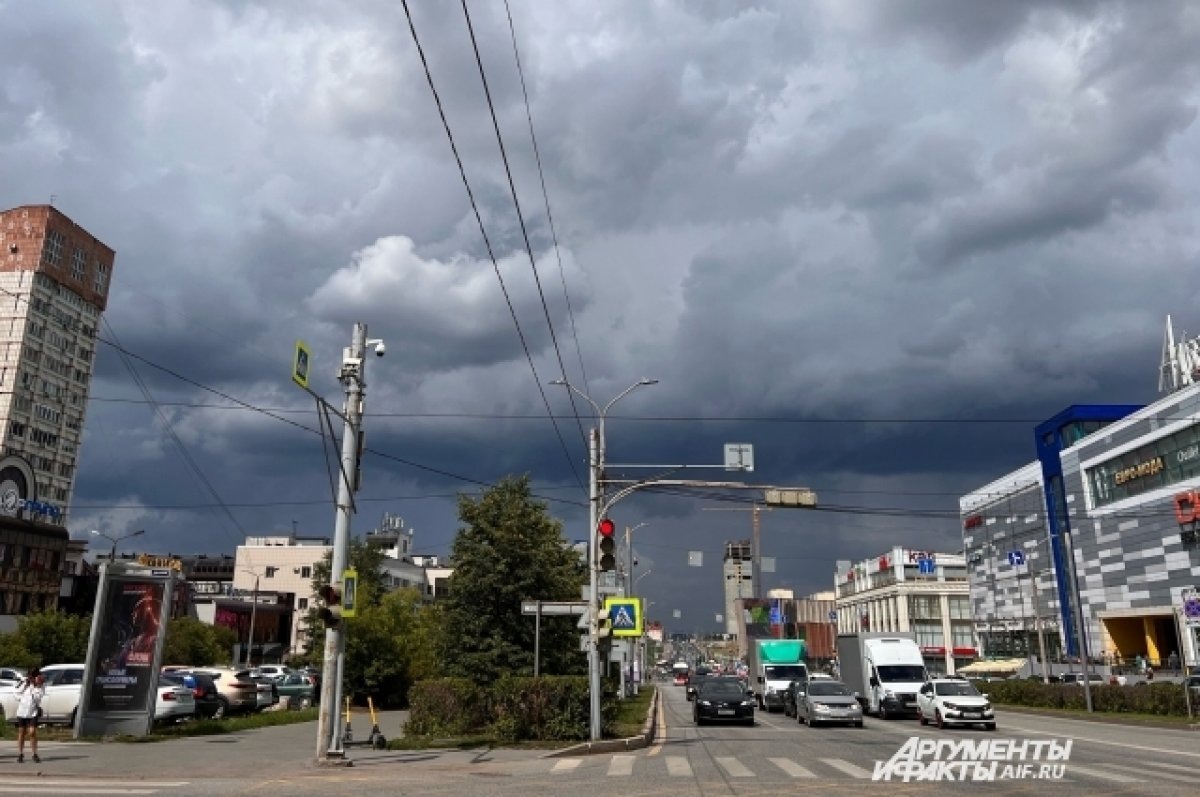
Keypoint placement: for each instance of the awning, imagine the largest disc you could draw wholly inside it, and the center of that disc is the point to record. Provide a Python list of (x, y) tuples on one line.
[(997, 667)]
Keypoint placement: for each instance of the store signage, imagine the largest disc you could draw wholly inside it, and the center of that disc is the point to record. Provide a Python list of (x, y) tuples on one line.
[(1187, 507), (916, 556), (974, 521), (933, 650), (168, 562), (1142, 469)]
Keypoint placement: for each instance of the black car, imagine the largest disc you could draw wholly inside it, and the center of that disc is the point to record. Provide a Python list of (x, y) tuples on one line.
[(793, 695), (204, 691), (723, 700)]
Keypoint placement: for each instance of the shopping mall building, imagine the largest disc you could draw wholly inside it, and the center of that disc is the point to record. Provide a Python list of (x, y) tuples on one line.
[(1121, 486)]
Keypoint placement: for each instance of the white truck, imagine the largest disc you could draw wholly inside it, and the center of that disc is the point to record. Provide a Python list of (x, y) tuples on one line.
[(885, 671), (773, 665)]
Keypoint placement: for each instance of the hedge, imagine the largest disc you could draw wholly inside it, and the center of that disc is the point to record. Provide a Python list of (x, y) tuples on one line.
[(1164, 698)]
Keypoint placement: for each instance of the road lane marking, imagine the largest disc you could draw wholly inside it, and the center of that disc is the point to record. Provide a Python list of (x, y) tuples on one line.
[(621, 765), (1177, 767), (846, 767), (662, 726), (735, 768), (791, 767), (678, 766), (567, 765), (1092, 772), (1124, 745), (1165, 775), (70, 790)]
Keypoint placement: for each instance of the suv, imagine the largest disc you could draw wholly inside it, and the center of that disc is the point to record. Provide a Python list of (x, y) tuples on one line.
[(235, 692)]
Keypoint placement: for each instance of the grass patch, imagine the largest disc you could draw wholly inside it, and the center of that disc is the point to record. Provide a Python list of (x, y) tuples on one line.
[(631, 713), (1112, 717)]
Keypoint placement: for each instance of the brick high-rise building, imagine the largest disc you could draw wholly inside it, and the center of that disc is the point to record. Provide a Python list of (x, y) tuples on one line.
[(54, 282)]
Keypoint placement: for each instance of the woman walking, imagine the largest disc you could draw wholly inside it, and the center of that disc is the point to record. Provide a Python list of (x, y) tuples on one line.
[(29, 710)]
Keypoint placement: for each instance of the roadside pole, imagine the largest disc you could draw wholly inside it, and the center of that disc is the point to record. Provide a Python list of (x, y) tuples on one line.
[(329, 721), (595, 726)]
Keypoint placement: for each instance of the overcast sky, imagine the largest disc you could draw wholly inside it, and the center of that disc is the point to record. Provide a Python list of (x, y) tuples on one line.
[(877, 240)]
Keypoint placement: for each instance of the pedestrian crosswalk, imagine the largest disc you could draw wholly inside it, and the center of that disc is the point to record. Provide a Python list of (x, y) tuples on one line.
[(776, 768)]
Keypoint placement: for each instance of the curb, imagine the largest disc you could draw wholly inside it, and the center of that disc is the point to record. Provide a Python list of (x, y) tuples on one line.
[(1099, 717), (643, 739)]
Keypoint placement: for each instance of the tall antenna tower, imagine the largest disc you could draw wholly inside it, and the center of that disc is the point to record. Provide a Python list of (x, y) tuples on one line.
[(1180, 365)]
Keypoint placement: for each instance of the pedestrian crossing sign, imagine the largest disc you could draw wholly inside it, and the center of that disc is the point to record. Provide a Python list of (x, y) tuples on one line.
[(625, 615)]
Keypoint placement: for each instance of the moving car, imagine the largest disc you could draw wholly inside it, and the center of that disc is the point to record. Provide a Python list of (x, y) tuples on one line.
[(947, 701), (64, 684), (696, 679), (173, 701), (827, 701), (723, 700)]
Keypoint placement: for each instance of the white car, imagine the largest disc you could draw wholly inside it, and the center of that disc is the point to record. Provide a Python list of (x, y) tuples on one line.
[(64, 684), (173, 702), (953, 701), (272, 671), (11, 676)]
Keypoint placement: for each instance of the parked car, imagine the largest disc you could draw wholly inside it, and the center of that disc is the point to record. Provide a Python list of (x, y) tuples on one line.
[(300, 690), (1094, 678), (11, 676), (236, 693), (205, 694), (722, 700), (267, 694), (827, 701), (174, 701), (272, 671), (64, 684), (943, 702)]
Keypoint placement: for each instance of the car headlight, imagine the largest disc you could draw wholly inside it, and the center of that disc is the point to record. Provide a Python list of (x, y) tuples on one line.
[(888, 693), (987, 706), (748, 703), (951, 706), (704, 703)]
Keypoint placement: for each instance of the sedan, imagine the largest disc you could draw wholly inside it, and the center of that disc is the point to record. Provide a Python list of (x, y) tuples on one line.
[(204, 692), (173, 702), (723, 700), (947, 701), (828, 701)]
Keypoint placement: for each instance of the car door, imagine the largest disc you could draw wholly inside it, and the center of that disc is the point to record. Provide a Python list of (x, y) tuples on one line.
[(925, 700), (62, 693)]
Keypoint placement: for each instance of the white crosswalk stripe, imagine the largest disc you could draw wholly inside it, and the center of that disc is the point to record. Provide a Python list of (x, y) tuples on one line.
[(1092, 772), (853, 770), (621, 765), (792, 768), (678, 766), (35, 786), (1151, 775), (735, 768), (566, 765)]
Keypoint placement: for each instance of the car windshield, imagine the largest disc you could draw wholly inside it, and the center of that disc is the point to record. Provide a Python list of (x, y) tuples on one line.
[(722, 689), (956, 689), (893, 673), (785, 672), (828, 689)]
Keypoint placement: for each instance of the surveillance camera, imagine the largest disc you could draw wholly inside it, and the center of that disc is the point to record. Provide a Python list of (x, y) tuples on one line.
[(380, 350)]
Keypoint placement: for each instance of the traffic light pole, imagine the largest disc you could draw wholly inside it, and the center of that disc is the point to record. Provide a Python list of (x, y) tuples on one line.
[(329, 721), (594, 466)]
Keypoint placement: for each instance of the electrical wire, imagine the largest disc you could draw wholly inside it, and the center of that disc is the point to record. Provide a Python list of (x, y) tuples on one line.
[(512, 186), (537, 156), (487, 242)]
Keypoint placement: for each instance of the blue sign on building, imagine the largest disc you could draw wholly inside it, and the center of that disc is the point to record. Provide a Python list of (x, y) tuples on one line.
[(1016, 558), (927, 566)]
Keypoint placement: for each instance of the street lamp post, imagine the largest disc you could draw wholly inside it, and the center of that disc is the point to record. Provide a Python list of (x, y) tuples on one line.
[(596, 449), (253, 612), (114, 540)]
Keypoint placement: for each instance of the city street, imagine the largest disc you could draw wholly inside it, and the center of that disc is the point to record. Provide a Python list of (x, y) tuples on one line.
[(776, 757)]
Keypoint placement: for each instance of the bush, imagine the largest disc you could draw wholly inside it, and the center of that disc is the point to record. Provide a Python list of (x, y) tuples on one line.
[(1163, 699), (446, 707)]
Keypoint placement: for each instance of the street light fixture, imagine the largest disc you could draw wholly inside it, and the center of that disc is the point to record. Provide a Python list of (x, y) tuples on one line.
[(596, 449), (115, 540)]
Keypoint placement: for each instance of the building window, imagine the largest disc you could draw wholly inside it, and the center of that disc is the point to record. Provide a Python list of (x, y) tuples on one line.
[(305, 572), (16, 429), (54, 248), (101, 278), (964, 637), (78, 265), (301, 603)]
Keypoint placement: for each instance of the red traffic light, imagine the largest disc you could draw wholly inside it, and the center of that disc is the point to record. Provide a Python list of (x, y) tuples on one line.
[(606, 528)]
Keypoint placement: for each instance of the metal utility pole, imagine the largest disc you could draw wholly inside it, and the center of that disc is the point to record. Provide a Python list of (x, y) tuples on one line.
[(595, 727), (353, 376), (253, 617)]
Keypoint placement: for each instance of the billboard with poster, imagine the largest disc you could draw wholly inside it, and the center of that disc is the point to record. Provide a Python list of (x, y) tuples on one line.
[(124, 650)]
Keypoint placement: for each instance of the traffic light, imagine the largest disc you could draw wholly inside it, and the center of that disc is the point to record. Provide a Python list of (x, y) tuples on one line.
[(607, 544), (331, 612)]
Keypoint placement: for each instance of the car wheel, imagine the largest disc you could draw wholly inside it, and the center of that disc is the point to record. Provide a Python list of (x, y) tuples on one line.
[(883, 712), (750, 722), (991, 726), (699, 721), (74, 712), (937, 719), (305, 702), (812, 723), (222, 709), (799, 718), (921, 717), (858, 724)]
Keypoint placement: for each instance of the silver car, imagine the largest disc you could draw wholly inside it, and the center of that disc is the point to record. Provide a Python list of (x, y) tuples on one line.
[(828, 701)]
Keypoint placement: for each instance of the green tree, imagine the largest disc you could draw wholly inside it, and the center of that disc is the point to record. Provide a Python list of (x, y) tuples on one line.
[(190, 641), (372, 586), (510, 549), (383, 645), (54, 637), (14, 653)]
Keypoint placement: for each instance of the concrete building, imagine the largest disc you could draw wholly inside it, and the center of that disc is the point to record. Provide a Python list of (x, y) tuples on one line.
[(281, 569), (737, 567), (54, 279), (920, 592)]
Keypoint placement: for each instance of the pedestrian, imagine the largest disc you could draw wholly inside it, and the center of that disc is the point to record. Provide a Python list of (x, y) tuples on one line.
[(29, 711), (1173, 661), (1149, 673)]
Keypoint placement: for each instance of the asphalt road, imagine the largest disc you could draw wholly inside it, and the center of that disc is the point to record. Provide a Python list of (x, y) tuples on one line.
[(776, 757)]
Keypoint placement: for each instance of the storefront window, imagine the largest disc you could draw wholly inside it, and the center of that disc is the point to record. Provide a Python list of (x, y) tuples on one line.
[(1165, 461)]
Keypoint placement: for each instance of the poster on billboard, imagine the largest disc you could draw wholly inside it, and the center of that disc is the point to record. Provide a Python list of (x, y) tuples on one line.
[(124, 678)]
